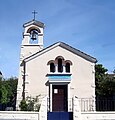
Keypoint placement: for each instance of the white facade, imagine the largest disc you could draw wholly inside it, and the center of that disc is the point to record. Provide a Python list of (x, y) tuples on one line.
[(36, 75)]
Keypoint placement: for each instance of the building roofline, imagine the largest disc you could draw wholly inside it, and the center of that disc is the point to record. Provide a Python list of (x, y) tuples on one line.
[(65, 46), (34, 22)]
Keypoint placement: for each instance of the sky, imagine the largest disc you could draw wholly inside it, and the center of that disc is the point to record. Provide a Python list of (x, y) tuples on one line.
[(87, 25)]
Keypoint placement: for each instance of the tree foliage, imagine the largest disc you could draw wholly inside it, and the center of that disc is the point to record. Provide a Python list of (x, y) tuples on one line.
[(30, 104), (105, 83), (23, 105), (8, 88)]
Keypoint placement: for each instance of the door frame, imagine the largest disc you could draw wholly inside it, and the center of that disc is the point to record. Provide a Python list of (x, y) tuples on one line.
[(50, 94), (59, 98)]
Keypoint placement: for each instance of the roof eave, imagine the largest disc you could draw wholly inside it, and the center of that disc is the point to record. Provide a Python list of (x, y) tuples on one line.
[(34, 22), (67, 47), (78, 52)]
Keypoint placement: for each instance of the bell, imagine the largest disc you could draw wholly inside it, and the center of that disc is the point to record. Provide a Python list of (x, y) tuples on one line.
[(33, 35)]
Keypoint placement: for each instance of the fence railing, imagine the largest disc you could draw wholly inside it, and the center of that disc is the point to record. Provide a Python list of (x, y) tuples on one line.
[(98, 105), (86, 104), (105, 105)]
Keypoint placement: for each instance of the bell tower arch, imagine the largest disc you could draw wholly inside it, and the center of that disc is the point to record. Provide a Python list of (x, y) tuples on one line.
[(32, 38)]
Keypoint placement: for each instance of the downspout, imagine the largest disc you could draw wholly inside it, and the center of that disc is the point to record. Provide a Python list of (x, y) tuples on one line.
[(24, 78)]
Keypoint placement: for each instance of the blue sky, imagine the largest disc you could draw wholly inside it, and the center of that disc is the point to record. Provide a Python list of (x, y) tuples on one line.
[(88, 25)]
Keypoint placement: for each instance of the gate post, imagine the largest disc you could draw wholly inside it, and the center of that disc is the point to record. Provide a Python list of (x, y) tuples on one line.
[(43, 109), (76, 109)]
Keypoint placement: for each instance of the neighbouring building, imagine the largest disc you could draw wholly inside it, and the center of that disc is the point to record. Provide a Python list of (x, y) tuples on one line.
[(59, 71)]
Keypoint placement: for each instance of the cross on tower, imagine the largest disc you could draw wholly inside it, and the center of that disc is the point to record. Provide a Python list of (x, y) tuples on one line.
[(34, 12)]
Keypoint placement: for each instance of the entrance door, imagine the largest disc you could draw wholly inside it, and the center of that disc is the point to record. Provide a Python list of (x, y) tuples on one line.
[(59, 98)]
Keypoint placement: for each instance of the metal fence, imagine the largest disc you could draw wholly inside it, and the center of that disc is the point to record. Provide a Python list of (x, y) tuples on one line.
[(105, 105), (7, 107)]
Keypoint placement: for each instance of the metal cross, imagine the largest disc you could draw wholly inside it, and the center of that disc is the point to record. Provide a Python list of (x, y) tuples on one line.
[(34, 12)]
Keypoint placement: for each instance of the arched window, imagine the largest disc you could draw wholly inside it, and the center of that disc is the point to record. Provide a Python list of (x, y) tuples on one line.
[(67, 66), (60, 67), (52, 67)]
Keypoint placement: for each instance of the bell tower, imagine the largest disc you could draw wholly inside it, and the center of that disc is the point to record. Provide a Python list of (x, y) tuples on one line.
[(32, 38), (32, 42)]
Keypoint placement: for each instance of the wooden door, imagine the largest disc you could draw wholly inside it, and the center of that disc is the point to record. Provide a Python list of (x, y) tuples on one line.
[(59, 98)]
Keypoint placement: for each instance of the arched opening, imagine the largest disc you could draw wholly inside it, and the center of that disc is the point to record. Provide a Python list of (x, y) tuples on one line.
[(34, 36), (60, 66), (67, 66), (52, 67), (33, 28)]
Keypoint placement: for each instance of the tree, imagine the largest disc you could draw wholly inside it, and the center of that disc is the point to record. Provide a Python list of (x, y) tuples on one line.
[(105, 83), (11, 86), (8, 88), (0, 89), (100, 75), (4, 98), (107, 87)]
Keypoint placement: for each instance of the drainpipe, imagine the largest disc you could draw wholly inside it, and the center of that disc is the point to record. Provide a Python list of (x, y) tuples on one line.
[(24, 76)]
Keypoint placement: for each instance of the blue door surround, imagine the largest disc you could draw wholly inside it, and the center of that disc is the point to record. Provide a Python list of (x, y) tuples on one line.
[(60, 116)]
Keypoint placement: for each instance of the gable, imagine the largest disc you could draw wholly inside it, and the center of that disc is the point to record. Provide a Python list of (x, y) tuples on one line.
[(34, 22), (66, 47)]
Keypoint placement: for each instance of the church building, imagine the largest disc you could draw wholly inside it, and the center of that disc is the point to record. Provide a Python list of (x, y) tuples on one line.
[(58, 72)]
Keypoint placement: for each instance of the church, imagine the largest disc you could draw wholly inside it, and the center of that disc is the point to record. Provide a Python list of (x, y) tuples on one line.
[(58, 72)]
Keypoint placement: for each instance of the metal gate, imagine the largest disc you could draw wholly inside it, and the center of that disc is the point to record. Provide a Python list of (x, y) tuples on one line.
[(60, 115)]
